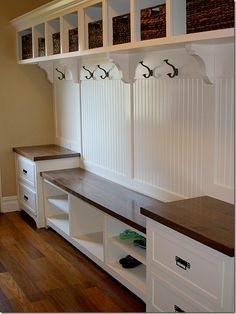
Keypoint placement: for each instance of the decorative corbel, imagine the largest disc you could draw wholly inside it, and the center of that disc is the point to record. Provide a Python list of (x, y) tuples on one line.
[(203, 54), (68, 69), (47, 66), (127, 64)]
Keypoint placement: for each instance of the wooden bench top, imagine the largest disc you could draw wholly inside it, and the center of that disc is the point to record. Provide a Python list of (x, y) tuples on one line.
[(45, 152), (112, 198), (204, 219)]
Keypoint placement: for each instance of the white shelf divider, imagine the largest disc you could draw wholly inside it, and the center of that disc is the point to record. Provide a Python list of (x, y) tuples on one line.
[(130, 248), (93, 242), (59, 223), (134, 278), (60, 201)]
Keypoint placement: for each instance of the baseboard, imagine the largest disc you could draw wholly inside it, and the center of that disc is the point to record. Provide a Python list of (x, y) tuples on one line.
[(9, 204)]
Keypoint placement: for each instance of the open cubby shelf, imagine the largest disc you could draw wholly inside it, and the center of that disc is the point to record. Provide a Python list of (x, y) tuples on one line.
[(109, 26), (96, 234)]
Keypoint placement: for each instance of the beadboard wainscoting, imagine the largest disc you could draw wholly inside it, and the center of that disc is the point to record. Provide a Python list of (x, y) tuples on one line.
[(67, 114), (167, 138)]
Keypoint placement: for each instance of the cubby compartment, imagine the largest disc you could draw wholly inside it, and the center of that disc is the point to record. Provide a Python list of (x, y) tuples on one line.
[(119, 22), (93, 26), (53, 37), (150, 19), (56, 207), (117, 248), (114, 228), (87, 226), (70, 35), (25, 44), (209, 15), (39, 41)]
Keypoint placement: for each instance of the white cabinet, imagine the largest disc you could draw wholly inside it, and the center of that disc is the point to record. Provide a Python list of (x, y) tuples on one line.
[(96, 234), (30, 185), (185, 275)]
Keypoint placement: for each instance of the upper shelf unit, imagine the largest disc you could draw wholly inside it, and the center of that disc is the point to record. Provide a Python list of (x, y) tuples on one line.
[(69, 28)]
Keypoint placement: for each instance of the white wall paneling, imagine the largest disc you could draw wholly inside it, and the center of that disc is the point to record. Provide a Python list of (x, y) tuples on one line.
[(106, 128), (168, 138), (168, 134), (67, 114)]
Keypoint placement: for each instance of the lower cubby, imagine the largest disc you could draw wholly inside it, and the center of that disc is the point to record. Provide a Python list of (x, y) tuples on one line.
[(117, 248), (97, 235)]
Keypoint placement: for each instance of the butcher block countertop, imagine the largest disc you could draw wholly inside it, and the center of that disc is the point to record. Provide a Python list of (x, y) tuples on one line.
[(204, 219), (112, 198), (45, 152)]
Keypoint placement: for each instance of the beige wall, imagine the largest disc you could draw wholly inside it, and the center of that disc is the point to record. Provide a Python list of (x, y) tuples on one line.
[(26, 112)]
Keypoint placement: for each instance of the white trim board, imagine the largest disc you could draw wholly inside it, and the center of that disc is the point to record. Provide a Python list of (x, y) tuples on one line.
[(9, 204)]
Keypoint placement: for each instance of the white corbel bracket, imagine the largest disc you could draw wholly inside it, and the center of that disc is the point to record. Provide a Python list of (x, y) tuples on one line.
[(204, 55), (69, 67), (127, 64), (47, 66)]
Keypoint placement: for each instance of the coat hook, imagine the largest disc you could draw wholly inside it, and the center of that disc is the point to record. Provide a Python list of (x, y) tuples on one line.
[(150, 72), (106, 73), (176, 71), (62, 75), (90, 73)]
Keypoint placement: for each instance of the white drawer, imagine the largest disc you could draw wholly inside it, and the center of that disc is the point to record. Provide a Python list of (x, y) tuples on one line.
[(166, 298), (27, 198), (26, 170), (187, 261)]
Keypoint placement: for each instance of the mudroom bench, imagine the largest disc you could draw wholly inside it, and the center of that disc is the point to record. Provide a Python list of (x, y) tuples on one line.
[(188, 263)]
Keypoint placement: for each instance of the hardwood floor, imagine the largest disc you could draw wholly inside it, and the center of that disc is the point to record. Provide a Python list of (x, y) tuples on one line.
[(41, 272)]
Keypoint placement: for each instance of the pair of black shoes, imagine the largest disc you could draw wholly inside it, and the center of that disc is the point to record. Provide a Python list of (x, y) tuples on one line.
[(129, 262)]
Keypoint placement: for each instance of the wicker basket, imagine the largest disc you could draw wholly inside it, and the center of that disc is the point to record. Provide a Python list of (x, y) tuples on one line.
[(95, 34), (121, 29), (56, 43), (73, 39), (153, 22), (207, 15), (41, 46), (26, 42)]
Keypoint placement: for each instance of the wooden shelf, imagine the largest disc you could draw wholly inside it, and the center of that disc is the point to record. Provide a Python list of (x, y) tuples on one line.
[(130, 248), (59, 201), (79, 15), (135, 277), (93, 242), (59, 223)]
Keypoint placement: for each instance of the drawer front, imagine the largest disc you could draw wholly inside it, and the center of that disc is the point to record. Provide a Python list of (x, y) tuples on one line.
[(27, 198), (26, 170), (195, 267), (165, 297)]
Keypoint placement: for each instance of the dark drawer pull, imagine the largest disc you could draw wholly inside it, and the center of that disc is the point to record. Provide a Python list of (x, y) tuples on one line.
[(24, 171), (26, 198), (178, 309), (182, 263)]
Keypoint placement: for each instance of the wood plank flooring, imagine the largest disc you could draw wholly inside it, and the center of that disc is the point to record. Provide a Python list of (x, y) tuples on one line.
[(41, 272)]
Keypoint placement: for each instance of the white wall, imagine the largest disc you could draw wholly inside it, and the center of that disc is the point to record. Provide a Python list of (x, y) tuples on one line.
[(168, 138)]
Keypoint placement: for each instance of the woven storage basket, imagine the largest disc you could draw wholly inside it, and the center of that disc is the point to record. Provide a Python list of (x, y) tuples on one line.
[(121, 29), (207, 15), (56, 43), (73, 39), (153, 22), (26, 42), (41, 46), (95, 34)]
